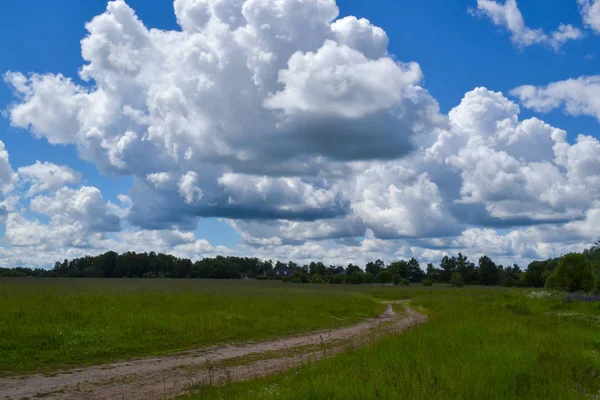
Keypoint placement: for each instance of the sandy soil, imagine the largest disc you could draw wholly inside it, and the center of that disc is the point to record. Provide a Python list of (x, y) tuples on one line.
[(169, 376)]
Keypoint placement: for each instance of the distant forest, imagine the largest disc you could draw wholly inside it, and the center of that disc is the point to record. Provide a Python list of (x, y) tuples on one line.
[(458, 270)]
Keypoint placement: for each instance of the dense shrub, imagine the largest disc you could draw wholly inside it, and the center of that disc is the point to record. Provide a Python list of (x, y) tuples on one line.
[(368, 278), (336, 279), (510, 282), (427, 282), (357, 278), (300, 276), (405, 282), (457, 280), (385, 276), (318, 279), (573, 274)]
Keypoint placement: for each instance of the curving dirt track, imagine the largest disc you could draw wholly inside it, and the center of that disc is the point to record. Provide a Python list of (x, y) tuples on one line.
[(169, 376)]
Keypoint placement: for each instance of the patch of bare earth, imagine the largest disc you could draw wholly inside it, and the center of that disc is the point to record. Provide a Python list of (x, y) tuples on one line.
[(169, 376)]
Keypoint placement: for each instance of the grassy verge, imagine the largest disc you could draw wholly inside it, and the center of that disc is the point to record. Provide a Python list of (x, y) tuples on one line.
[(492, 344), (47, 324)]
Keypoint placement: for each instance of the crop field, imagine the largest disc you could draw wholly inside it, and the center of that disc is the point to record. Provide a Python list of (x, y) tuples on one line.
[(477, 344), (46, 324)]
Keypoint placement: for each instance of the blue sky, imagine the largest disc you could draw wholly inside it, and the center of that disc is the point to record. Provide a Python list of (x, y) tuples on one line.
[(456, 50)]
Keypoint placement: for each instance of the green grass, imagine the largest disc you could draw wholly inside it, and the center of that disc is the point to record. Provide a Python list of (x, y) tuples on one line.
[(478, 344), (46, 324)]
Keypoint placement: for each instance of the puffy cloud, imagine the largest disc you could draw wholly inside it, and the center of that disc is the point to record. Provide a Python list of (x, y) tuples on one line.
[(7, 175), (160, 180), (301, 132), (590, 12), (188, 188), (341, 82), (580, 96), (247, 87), (393, 201), (509, 16), (78, 206), (281, 195), (37, 244), (45, 176), (359, 34), (24, 232), (520, 171)]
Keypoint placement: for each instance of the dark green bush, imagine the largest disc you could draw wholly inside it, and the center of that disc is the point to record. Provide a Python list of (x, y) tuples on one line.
[(573, 274), (318, 279), (357, 278), (405, 282), (427, 282), (510, 282), (385, 276), (457, 280), (299, 277), (336, 279)]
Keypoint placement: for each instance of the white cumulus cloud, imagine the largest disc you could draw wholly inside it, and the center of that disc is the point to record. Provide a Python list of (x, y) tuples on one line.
[(509, 16), (301, 131), (45, 176), (578, 96), (590, 12)]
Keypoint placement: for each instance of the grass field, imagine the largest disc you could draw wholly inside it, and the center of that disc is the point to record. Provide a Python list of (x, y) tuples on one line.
[(47, 324), (478, 344), (491, 343)]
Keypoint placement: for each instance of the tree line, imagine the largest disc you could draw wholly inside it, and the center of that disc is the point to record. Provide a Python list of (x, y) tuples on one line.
[(458, 270)]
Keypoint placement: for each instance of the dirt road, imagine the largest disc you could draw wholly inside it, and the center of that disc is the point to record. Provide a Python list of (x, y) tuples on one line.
[(169, 376)]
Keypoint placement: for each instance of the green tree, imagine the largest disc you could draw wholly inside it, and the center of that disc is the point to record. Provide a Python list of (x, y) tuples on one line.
[(538, 271), (375, 267), (432, 273), (385, 276), (488, 271), (573, 274), (399, 268), (467, 269), (414, 271), (448, 266), (351, 269), (317, 268)]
